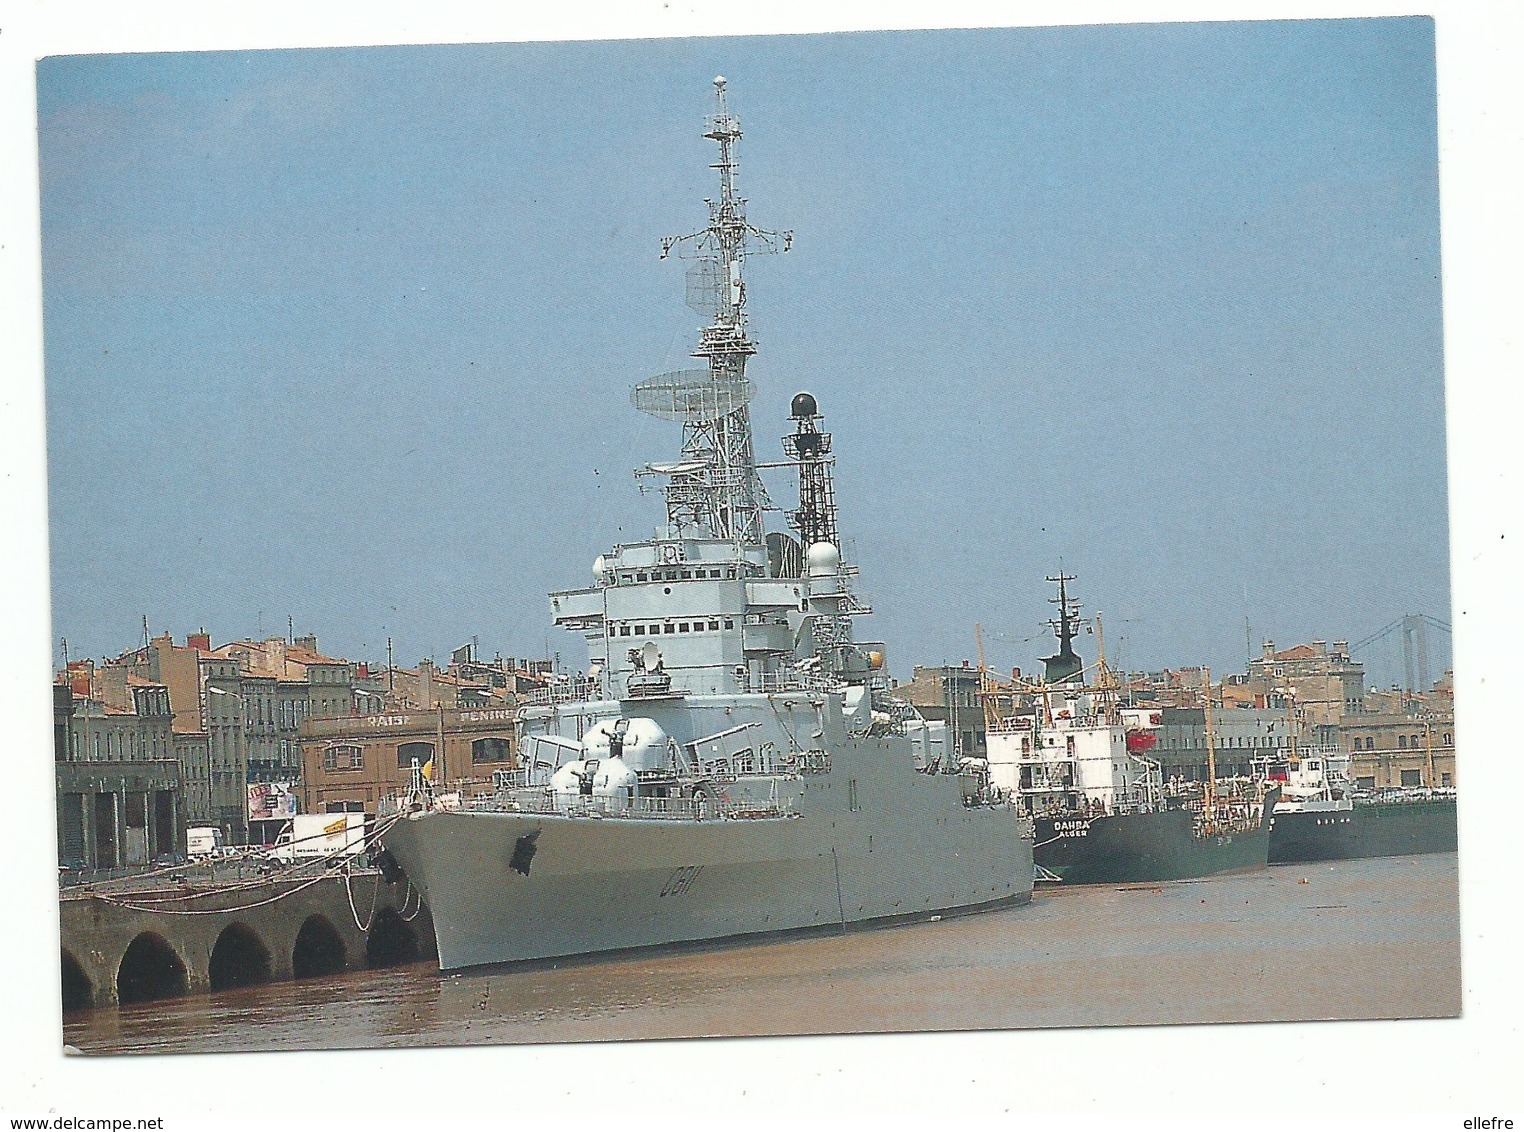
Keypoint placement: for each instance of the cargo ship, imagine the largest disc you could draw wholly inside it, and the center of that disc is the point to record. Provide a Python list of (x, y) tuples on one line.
[(1076, 762), (1322, 817), (732, 762)]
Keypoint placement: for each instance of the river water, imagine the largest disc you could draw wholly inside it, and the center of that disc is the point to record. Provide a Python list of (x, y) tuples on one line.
[(1374, 938)]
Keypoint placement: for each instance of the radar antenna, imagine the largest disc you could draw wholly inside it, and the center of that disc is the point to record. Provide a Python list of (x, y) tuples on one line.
[(808, 448), (714, 490)]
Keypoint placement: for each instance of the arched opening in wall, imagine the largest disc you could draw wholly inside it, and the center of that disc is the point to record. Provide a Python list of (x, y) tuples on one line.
[(318, 950), (239, 959), (150, 969), (78, 994), (391, 941)]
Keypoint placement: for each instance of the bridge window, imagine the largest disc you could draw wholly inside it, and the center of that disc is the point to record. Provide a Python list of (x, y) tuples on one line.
[(493, 749), (407, 752)]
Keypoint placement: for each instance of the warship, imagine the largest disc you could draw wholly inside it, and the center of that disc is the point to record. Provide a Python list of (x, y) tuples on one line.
[(1322, 817), (732, 762), (1076, 762)]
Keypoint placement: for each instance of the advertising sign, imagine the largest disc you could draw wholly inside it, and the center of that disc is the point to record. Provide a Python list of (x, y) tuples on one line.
[(271, 801)]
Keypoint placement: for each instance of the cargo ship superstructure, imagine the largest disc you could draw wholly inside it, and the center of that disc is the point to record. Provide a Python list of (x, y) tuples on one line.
[(1321, 816), (1076, 762), (732, 761)]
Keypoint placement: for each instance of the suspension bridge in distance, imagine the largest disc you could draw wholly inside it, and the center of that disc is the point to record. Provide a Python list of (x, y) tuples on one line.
[(1414, 633)]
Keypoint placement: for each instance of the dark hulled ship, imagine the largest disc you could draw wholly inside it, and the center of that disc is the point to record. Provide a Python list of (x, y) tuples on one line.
[(1321, 817), (1076, 762)]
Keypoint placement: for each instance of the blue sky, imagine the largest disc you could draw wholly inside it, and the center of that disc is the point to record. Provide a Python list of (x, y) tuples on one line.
[(348, 334)]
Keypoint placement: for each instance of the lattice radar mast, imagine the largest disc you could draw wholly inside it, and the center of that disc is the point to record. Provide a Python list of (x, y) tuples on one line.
[(713, 490)]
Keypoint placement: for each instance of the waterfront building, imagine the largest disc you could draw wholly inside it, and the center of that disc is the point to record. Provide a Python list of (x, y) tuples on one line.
[(1323, 683), (949, 694), (235, 713), (352, 763), (118, 789), (1241, 735)]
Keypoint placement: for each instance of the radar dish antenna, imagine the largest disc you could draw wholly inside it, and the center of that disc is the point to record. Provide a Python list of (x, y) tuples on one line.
[(697, 396), (706, 281)]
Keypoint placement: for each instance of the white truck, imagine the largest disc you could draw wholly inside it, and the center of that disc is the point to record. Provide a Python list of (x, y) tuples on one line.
[(203, 842), (320, 835)]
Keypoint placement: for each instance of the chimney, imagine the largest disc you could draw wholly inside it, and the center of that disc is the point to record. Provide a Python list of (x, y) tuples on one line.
[(1341, 648), (1320, 647), (307, 641), (1269, 650), (201, 640), (362, 670), (426, 683)]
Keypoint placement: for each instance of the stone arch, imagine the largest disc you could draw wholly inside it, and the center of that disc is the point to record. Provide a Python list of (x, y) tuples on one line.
[(239, 959), (150, 969), (391, 941), (78, 994), (318, 950)]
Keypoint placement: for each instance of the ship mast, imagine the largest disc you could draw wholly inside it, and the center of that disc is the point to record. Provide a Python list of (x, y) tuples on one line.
[(1064, 665), (713, 490)]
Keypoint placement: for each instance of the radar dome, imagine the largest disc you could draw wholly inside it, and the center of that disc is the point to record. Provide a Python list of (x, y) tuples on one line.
[(600, 568), (823, 558), (802, 406)]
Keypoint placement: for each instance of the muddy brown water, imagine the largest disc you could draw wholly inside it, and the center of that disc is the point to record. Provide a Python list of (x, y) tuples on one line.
[(1371, 939)]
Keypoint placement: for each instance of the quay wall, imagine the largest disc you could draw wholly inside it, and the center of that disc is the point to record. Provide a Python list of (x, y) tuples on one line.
[(132, 945)]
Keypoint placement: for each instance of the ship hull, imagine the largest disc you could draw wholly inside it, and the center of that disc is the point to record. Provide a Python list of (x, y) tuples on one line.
[(1367, 829), (595, 885), (1143, 848)]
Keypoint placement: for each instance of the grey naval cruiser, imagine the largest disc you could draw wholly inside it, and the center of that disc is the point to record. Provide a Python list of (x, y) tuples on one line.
[(732, 762)]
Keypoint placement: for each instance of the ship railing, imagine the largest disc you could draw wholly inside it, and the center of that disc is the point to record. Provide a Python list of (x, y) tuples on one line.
[(1010, 725), (710, 805), (561, 692), (768, 682)]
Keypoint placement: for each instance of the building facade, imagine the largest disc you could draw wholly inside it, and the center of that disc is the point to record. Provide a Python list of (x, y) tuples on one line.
[(351, 764), (949, 694), (118, 791), (1240, 735)]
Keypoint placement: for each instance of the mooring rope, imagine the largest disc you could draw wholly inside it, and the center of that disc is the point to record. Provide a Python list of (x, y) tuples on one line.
[(413, 915), (375, 895), (329, 865)]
